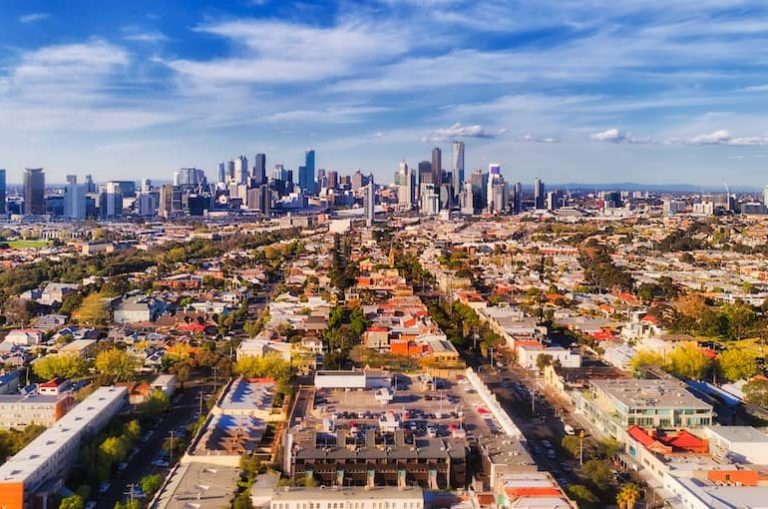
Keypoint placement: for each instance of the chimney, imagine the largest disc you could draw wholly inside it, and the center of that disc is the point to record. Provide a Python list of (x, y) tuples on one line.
[(341, 438)]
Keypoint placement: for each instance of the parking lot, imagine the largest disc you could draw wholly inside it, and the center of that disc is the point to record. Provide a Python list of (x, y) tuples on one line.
[(449, 409)]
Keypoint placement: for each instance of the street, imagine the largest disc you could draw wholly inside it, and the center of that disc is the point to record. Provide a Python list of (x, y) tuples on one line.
[(139, 465)]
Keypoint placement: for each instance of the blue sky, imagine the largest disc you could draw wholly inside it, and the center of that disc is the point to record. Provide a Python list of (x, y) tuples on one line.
[(567, 90)]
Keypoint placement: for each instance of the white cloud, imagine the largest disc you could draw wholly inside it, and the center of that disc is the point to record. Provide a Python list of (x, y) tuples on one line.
[(151, 36), (346, 114), (723, 137), (277, 52), (611, 135), (72, 87), (34, 17), (457, 131)]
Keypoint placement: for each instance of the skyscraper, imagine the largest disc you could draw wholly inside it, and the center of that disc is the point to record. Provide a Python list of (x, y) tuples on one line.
[(241, 170), (538, 195), (494, 176), (74, 199), (369, 201), (34, 191), (259, 174), (479, 181), (307, 173), (333, 179), (230, 171), (457, 168), (437, 167), (425, 173), (517, 206), (406, 186), (2, 191), (222, 172)]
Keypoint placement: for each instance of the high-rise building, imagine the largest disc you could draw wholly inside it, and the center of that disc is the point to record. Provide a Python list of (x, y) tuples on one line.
[(222, 172), (406, 186), (110, 200), (551, 201), (457, 168), (358, 181), (765, 195), (498, 196), (479, 182), (517, 206), (34, 191), (241, 170), (166, 201), (2, 191), (307, 173), (425, 173), (189, 177), (146, 204), (146, 186), (259, 174), (333, 179), (437, 167), (494, 174), (90, 185), (369, 201), (74, 199), (467, 199), (230, 171), (430, 200), (539, 195)]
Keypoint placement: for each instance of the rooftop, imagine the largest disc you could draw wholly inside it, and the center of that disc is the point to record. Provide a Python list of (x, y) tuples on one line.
[(649, 393), (37, 453)]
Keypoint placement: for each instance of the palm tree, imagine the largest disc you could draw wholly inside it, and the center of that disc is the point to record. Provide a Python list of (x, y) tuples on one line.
[(628, 495)]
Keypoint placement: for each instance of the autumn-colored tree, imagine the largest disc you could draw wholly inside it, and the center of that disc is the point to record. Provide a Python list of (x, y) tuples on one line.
[(63, 365), (737, 364), (116, 365), (629, 494), (689, 361), (93, 310)]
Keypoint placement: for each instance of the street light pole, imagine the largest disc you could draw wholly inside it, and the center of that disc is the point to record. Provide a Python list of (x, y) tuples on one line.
[(170, 453)]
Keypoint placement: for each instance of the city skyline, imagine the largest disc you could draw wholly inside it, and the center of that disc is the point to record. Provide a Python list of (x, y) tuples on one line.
[(564, 93)]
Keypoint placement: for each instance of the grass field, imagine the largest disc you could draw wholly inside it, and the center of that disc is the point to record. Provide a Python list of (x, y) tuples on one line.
[(28, 244)]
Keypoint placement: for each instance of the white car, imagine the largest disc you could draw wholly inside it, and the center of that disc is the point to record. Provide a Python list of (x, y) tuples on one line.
[(569, 429)]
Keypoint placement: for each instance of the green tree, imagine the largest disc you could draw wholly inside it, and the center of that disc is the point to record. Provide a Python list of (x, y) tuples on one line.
[(64, 365), (151, 483), (629, 494), (271, 365), (688, 360), (72, 502), (598, 472), (571, 444), (252, 328), (129, 504), (157, 401), (543, 360), (113, 449), (116, 365), (756, 392), (737, 364), (582, 495), (93, 310), (647, 358), (740, 318)]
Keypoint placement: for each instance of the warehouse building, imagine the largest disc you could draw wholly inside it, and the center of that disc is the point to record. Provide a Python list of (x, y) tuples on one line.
[(38, 471)]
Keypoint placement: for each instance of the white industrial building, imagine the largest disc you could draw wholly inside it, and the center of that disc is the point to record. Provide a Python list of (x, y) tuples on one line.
[(44, 462), (354, 379)]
